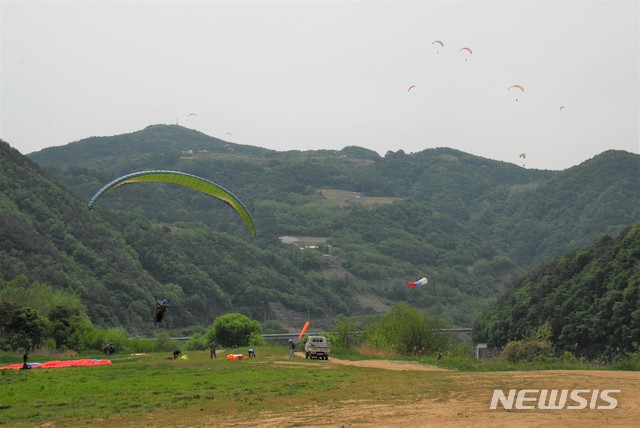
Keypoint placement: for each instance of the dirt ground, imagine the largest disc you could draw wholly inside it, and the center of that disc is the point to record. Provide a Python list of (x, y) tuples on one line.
[(468, 403)]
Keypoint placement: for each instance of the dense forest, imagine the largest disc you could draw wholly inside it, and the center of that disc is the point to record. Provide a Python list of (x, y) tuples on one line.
[(590, 297), (473, 226)]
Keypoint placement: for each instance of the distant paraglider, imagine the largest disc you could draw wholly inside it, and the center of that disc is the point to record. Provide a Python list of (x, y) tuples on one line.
[(182, 179), (518, 87), (439, 43), (466, 49), (411, 87), (418, 283), (523, 156)]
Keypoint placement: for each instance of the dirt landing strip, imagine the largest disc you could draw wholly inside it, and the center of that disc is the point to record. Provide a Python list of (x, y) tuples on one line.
[(467, 404)]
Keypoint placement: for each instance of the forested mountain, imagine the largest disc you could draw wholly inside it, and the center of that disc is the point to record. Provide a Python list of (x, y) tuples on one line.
[(590, 297), (118, 261), (472, 225)]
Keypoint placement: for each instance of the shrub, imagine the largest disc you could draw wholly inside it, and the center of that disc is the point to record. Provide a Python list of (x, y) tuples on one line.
[(408, 332), (235, 330), (537, 344)]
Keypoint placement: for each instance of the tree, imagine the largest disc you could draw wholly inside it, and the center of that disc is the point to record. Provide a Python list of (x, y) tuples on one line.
[(235, 329), (27, 329), (345, 331), (407, 331)]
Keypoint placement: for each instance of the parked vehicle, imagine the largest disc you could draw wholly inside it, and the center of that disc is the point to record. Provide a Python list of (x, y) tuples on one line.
[(317, 347)]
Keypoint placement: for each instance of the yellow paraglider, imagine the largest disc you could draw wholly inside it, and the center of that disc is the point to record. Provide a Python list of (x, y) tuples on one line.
[(182, 179)]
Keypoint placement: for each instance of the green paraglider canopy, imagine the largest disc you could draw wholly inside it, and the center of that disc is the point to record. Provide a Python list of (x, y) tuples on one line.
[(182, 179)]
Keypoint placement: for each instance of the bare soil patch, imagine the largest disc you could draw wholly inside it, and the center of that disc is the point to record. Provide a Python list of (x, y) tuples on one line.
[(467, 402)]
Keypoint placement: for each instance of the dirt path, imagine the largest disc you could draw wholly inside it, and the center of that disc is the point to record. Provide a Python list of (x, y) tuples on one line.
[(468, 402), (389, 365)]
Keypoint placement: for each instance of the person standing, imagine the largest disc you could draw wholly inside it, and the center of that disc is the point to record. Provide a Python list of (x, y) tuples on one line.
[(212, 347), (292, 349), (25, 358)]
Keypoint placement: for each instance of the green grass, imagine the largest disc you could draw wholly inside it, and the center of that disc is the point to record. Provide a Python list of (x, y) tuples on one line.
[(148, 386), (154, 390)]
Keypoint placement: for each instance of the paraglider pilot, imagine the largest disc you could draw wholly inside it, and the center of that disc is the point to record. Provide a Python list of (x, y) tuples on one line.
[(25, 358), (252, 353), (109, 349), (161, 308), (176, 354)]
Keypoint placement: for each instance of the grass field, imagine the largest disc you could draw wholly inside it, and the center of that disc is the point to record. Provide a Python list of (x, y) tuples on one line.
[(274, 390)]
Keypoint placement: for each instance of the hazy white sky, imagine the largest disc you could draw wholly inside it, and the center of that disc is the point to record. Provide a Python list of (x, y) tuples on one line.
[(329, 74)]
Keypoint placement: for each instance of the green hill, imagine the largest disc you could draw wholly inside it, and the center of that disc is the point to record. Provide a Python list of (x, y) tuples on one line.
[(118, 261), (590, 297), (471, 225)]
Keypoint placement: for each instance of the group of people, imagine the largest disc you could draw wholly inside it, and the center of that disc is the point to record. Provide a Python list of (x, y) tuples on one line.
[(213, 346)]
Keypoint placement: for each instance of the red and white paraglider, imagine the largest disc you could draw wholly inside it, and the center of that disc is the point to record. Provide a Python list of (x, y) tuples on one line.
[(418, 283)]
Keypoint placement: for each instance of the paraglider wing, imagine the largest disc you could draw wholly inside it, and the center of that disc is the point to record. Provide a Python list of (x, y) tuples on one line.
[(304, 329), (437, 42), (418, 283), (182, 179), (466, 49), (515, 86), (410, 88), (192, 114), (523, 155)]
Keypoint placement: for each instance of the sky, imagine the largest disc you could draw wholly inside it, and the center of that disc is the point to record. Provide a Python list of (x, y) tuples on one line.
[(307, 75)]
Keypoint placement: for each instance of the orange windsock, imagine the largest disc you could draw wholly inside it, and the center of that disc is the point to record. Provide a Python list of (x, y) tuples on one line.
[(304, 329)]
